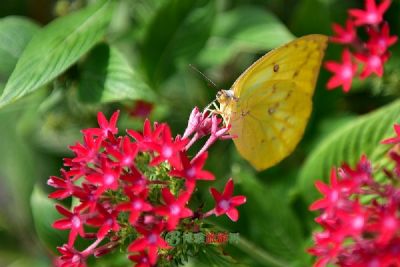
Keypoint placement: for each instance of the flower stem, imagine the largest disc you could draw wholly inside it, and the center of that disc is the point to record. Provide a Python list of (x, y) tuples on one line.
[(254, 251), (259, 254)]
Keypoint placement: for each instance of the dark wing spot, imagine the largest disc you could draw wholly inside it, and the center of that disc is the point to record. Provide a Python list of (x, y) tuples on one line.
[(271, 111), (276, 68), (295, 74)]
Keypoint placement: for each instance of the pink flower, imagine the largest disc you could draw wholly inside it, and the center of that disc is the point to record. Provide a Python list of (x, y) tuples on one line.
[(192, 170), (396, 139), (107, 221), (126, 154), (70, 257), (88, 152), (373, 63), (141, 259), (136, 205), (149, 136), (373, 15), (326, 248), (217, 132), (151, 240), (332, 194), (380, 41), (65, 186), (371, 55), (87, 196), (124, 191), (138, 182), (360, 219), (174, 209), (343, 72), (344, 35), (106, 127), (225, 203), (386, 222), (168, 150), (106, 178), (73, 221)]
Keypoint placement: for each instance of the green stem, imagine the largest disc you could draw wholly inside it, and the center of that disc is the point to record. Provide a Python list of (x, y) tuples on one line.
[(254, 251), (259, 254)]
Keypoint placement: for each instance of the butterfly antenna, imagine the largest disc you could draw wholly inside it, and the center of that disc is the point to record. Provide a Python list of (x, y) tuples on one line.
[(210, 83)]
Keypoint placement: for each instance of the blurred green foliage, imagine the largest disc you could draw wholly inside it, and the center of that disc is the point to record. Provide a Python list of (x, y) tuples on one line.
[(104, 55)]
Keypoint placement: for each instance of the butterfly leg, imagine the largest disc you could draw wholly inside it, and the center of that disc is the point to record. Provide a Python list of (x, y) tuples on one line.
[(213, 108)]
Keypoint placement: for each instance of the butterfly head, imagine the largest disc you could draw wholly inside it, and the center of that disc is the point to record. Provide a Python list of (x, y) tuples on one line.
[(225, 96)]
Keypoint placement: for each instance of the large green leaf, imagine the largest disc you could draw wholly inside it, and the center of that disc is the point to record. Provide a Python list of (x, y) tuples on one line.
[(107, 76), (15, 33), (18, 161), (175, 36), (44, 214), (319, 22), (55, 48), (347, 144), (272, 227), (247, 28)]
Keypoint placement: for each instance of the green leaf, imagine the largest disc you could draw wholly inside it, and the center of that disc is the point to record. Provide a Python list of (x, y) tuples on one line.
[(248, 29), (107, 77), (24, 260), (44, 214), (175, 36), (19, 166), (272, 226), (347, 144), (213, 257), (15, 33), (305, 19), (55, 48)]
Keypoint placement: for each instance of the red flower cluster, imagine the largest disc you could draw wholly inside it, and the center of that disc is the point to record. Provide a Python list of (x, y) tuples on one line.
[(360, 216), (371, 54), (135, 186)]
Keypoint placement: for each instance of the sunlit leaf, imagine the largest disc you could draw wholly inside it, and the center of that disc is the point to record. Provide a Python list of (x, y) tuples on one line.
[(107, 77), (244, 29), (15, 33), (55, 48), (347, 144), (175, 36)]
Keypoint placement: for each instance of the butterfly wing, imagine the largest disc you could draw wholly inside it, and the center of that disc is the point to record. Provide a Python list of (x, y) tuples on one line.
[(275, 100)]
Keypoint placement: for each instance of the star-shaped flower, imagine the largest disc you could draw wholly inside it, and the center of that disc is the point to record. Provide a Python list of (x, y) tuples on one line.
[(344, 35), (150, 240), (193, 170), (225, 203), (174, 209), (74, 221), (343, 72), (396, 139), (373, 63), (380, 40), (373, 15)]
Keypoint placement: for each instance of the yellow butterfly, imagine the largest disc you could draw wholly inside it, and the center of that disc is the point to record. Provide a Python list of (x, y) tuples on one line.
[(269, 105)]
